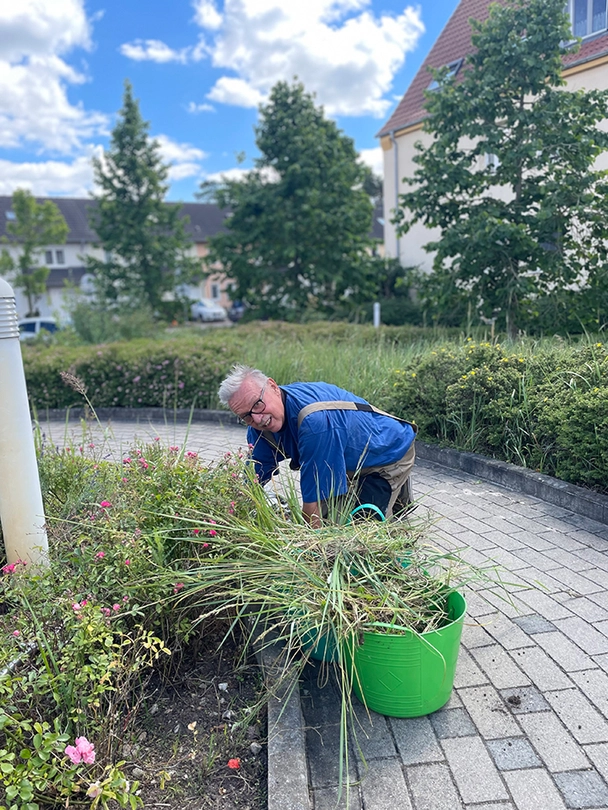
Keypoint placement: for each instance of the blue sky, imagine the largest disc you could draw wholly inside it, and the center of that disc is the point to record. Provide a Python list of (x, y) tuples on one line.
[(199, 69)]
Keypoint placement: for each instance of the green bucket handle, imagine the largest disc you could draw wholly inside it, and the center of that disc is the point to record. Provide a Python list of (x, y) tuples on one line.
[(371, 506)]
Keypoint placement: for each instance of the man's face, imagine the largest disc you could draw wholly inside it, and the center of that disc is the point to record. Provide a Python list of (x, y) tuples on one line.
[(259, 406)]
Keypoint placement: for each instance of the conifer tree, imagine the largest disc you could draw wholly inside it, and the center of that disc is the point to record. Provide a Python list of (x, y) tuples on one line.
[(146, 246)]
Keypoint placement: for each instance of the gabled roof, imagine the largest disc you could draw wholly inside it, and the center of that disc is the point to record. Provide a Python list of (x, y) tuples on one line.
[(206, 219), (454, 43)]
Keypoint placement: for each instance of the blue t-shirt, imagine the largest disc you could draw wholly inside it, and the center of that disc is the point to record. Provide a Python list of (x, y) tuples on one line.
[(329, 443)]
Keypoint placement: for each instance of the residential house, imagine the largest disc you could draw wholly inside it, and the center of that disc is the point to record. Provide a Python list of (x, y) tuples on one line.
[(585, 69), (67, 262)]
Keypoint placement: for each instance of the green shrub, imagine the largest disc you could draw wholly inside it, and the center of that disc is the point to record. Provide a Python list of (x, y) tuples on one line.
[(544, 408), (138, 374)]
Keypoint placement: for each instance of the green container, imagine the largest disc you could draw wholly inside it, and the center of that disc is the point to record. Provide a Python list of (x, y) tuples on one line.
[(410, 674), (320, 647)]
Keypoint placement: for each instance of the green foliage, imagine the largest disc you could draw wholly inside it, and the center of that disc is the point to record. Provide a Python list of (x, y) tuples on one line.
[(35, 226), (531, 223), (144, 238), (94, 324), (544, 409), (138, 374), (83, 635), (298, 232)]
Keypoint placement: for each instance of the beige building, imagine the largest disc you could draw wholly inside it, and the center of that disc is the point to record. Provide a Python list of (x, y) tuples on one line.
[(67, 262), (587, 69)]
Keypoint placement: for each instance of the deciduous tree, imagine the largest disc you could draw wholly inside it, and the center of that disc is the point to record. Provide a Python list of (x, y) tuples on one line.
[(510, 176), (35, 226), (297, 236)]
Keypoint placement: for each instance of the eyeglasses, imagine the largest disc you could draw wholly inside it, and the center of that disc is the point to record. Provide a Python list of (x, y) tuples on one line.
[(258, 407)]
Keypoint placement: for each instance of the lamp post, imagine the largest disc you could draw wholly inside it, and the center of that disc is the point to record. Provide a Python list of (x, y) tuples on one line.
[(21, 509)]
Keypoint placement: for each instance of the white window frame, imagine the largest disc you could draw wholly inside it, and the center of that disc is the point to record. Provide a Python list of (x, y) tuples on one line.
[(48, 257), (589, 18), (60, 256)]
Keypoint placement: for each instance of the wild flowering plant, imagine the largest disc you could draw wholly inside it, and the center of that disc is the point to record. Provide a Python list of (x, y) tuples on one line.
[(81, 639)]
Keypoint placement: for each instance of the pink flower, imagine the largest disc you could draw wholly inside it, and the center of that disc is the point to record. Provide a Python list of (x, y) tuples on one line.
[(190, 454), (212, 533), (124, 480), (115, 607), (83, 751), (9, 569), (205, 545), (126, 460), (76, 606), (16, 633), (106, 611), (174, 448), (127, 562), (136, 379), (157, 438), (100, 555), (105, 504), (125, 599), (196, 531), (234, 764), (178, 586)]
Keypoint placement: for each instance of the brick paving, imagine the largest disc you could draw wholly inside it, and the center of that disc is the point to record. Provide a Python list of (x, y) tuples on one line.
[(526, 727)]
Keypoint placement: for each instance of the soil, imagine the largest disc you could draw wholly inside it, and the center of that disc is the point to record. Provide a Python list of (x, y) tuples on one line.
[(201, 741)]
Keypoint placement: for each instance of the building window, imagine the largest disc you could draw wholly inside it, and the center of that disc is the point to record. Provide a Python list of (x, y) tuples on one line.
[(10, 215), (215, 291), (59, 255), (451, 70), (48, 257), (588, 17)]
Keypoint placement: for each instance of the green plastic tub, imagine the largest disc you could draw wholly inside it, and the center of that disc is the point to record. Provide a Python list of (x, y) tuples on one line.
[(408, 675)]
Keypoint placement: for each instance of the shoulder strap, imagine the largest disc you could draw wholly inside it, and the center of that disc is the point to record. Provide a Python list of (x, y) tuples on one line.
[(343, 405)]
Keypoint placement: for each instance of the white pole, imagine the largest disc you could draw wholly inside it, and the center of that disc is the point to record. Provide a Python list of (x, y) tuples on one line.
[(21, 509), (376, 314)]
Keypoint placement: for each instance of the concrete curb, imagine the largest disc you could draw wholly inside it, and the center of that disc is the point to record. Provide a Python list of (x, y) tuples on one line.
[(575, 499), (168, 416)]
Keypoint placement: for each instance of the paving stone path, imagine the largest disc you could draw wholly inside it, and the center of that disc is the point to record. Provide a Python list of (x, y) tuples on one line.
[(526, 727)]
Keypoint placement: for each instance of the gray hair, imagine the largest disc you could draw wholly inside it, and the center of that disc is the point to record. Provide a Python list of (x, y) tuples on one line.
[(238, 375)]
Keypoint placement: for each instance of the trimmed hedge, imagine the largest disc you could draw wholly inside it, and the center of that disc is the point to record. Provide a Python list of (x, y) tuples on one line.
[(137, 374)]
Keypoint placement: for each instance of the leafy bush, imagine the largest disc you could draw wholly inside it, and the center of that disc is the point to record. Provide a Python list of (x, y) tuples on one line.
[(178, 374), (545, 409)]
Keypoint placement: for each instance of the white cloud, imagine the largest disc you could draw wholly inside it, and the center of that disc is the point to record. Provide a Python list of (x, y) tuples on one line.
[(235, 91), (184, 159), (195, 108), (34, 76), (153, 50), (268, 173), (339, 50), (207, 15), (374, 158), (49, 178)]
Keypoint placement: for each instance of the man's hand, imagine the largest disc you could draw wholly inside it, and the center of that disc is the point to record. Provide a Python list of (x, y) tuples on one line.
[(312, 514)]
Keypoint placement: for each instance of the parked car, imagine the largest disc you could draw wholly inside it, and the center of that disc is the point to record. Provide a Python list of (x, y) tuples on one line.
[(30, 327), (236, 311), (206, 310)]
